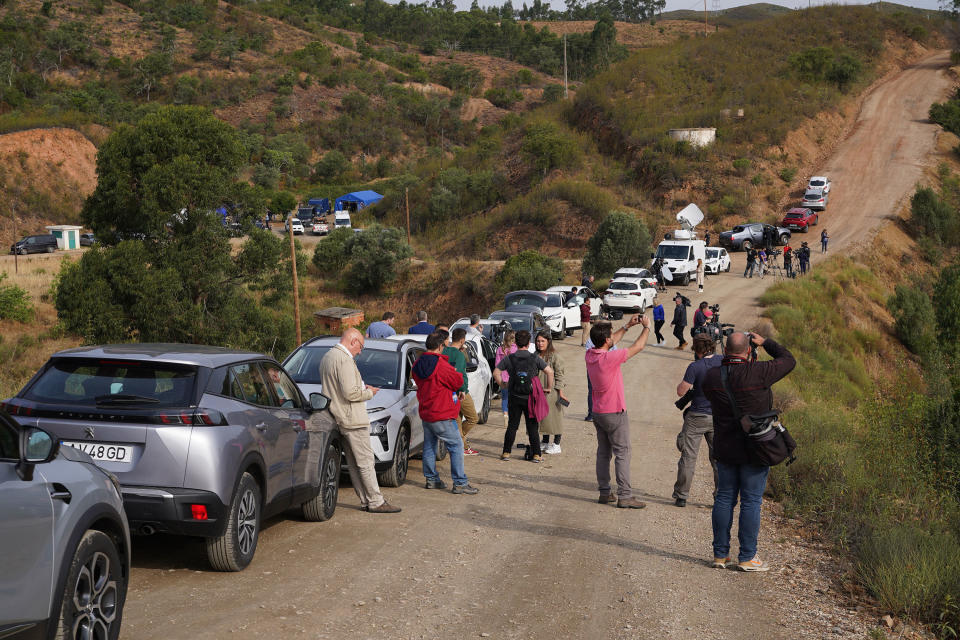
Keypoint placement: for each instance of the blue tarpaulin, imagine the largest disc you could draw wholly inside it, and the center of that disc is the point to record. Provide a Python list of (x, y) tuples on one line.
[(321, 205), (360, 198)]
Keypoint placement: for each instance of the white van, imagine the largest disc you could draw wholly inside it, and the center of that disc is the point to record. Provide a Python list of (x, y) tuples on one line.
[(341, 220), (681, 250)]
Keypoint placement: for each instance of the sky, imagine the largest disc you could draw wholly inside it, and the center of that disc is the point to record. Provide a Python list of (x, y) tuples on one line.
[(673, 5)]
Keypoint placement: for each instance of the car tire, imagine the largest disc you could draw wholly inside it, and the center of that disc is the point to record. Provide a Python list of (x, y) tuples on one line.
[(728, 268), (747, 245), (441, 450), (484, 414), (396, 475), (50, 249), (784, 239), (686, 279), (563, 331), (569, 332), (806, 229), (92, 600), (233, 550), (322, 506)]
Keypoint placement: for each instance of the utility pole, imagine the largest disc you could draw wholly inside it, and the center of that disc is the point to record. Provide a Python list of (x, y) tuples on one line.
[(406, 193), (16, 253), (565, 94), (296, 285), (704, 18), (441, 148)]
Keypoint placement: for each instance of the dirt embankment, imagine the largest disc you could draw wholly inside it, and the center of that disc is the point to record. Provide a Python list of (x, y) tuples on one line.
[(634, 35)]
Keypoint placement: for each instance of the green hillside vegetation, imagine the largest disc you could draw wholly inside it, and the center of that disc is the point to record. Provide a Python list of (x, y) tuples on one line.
[(729, 17)]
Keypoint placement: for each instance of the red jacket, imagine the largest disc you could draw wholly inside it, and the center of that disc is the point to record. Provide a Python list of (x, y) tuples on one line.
[(437, 385)]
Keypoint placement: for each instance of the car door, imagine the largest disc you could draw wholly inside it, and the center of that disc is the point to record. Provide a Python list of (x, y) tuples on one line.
[(293, 412), (26, 529), (287, 411), (756, 233), (409, 403), (572, 313)]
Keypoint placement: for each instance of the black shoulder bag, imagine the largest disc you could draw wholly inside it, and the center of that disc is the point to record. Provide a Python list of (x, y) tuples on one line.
[(768, 440)]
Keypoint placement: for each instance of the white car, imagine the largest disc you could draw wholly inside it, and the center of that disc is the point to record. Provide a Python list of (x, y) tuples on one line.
[(297, 226), (717, 260), (636, 272), (396, 430), (479, 375), (629, 295), (582, 293), (320, 228), (820, 182)]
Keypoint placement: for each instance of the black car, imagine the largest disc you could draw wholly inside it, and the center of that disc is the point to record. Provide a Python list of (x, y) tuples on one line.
[(519, 317), (44, 243)]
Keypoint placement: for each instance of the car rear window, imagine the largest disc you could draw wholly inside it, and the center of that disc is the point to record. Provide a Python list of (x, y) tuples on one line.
[(93, 382), (812, 195), (623, 286), (525, 299), (377, 367)]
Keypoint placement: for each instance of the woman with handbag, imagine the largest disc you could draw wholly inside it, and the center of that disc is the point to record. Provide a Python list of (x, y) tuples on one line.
[(553, 423)]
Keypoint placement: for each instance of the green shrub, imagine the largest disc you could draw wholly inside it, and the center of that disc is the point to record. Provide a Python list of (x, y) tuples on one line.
[(331, 165), (742, 166), (620, 241), (14, 302), (503, 98), (528, 270), (552, 93), (524, 76), (330, 255), (915, 322), (934, 217), (549, 147), (374, 256), (787, 174)]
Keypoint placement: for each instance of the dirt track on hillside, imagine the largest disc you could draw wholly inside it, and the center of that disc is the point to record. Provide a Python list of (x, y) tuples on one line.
[(533, 555)]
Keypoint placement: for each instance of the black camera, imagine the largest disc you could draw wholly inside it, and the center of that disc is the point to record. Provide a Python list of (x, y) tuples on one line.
[(715, 308)]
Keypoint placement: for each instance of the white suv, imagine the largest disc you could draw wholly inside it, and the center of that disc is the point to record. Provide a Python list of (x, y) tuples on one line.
[(297, 226), (717, 260), (629, 294)]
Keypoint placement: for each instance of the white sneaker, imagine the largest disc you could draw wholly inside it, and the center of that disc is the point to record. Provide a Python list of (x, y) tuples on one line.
[(551, 448)]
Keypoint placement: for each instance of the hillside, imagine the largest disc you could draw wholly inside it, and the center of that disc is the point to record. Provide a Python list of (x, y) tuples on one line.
[(634, 35)]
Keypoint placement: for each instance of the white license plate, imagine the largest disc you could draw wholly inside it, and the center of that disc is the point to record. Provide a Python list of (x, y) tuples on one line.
[(104, 451)]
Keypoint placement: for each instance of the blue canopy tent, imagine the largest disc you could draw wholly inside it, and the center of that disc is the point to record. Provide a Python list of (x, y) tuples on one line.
[(359, 200)]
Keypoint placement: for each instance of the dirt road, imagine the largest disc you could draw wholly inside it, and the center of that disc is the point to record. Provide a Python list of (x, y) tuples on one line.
[(533, 555)]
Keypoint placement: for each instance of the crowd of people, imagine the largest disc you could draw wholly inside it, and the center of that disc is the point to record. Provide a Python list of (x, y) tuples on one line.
[(713, 392), (796, 262)]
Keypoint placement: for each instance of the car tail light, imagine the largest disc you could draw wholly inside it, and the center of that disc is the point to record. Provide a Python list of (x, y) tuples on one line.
[(201, 417), (198, 511), (208, 417), (636, 293), (15, 409)]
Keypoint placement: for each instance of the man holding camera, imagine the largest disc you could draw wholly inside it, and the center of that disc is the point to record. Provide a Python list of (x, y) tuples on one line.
[(697, 418), (738, 473)]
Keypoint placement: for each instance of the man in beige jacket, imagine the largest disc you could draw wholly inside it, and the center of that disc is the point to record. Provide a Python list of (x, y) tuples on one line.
[(348, 403)]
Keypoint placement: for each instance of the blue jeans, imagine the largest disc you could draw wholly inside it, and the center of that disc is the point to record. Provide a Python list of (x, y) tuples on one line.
[(748, 481), (589, 397), (503, 399), (447, 431)]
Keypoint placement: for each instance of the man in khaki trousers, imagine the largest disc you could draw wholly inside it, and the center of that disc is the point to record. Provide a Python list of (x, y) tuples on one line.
[(348, 396)]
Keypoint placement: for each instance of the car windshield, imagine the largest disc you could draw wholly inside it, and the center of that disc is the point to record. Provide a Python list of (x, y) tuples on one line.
[(673, 251), (554, 300), (377, 367), (623, 286), (91, 382), (515, 299), (516, 323), (712, 253)]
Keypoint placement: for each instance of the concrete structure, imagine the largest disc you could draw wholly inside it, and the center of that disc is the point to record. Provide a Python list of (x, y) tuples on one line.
[(696, 137), (335, 319), (67, 235)]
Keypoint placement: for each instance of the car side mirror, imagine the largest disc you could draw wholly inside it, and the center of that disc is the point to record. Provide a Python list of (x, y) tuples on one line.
[(472, 366), (411, 386), (36, 447), (318, 402), (572, 304)]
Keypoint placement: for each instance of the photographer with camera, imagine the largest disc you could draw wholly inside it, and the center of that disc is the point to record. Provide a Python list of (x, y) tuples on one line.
[(697, 418), (739, 392)]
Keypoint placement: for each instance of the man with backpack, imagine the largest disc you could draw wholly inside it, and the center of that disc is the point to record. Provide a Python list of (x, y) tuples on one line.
[(740, 473), (522, 368), (610, 408)]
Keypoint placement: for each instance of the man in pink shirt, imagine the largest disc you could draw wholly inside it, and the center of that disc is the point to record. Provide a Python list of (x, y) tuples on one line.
[(610, 409)]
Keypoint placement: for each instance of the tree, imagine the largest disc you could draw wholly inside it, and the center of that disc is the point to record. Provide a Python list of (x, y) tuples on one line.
[(946, 302), (374, 257), (549, 147), (529, 270), (331, 165), (621, 240), (915, 321)]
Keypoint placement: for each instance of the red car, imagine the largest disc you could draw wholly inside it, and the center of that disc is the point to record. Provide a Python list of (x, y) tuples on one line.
[(800, 219)]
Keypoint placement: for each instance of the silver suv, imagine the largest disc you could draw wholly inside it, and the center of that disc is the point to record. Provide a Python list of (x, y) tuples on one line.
[(205, 441), (65, 549)]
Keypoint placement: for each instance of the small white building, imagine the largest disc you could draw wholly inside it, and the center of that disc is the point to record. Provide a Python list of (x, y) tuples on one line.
[(700, 137), (67, 235)]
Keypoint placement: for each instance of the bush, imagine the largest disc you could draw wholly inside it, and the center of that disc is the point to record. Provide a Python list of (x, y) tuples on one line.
[(331, 165), (14, 302), (933, 217), (549, 147), (374, 256), (915, 321), (946, 302), (528, 270), (503, 98), (741, 166), (787, 174), (552, 93), (330, 256), (621, 241)]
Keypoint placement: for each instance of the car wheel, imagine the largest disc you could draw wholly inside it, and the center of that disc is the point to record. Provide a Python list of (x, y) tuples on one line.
[(728, 268), (485, 409), (321, 507), (806, 229), (747, 245), (441, 450), (50, 249), (784, 239), (643, 307), (396, 475), (569, 332), (234, 549), (563, 331), (96, 588), (686, 279)]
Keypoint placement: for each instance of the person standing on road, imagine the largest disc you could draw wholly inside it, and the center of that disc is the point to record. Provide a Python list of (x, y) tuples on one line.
[(788, 260), (824, 238), (422, 327), (585, 318), (762, 261), (751, 263), (437, 385), (679, 321), (610, 408), (383, 328), (468, 411), (697, 418), (553, 423), (475, 330), (738, 473), (699, 318), (658, 319), (699, 275), (509, 346), (804, 256), (522, 367), (341, 382)]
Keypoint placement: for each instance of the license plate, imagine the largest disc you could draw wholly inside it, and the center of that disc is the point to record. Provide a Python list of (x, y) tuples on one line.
[(104, 451)]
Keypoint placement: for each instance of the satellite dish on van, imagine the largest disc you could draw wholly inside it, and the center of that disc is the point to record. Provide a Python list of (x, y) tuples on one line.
[(690, 216)]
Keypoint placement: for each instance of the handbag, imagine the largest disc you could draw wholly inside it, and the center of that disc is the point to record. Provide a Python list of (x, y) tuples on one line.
[(768, 441)]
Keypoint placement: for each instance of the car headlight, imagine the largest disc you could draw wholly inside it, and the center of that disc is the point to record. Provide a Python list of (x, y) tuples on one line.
[(379, 427)]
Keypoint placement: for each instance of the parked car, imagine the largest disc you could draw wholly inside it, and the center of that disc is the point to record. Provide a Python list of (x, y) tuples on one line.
[(320, 228), (635, 272), (745, 236), (66, 542), (297, 226), (395, 427), (44, 243), (800, 219), (629, 295), (560, 319), (479, 372), (205, 441), (521, 317), (582, 293), (488, 347), (815, 199), (717, 260), (87, 240), (820, 182)]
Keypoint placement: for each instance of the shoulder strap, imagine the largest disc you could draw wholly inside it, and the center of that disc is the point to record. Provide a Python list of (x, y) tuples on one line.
[(724, 376)]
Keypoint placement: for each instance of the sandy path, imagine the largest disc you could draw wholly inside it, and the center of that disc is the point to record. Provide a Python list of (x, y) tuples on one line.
[(533, 555)]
